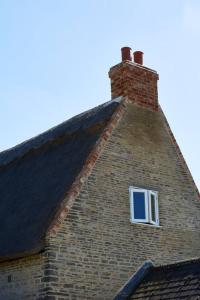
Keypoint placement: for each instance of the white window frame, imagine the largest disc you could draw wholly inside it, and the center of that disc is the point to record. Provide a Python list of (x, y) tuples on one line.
[(148, 213), (132, 190), (155, 194)]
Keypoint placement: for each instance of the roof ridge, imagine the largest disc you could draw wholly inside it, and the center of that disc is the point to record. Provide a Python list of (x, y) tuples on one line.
[(179, 263), (11, 154)]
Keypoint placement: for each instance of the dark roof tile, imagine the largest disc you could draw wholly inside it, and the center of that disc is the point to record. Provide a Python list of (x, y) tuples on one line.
[(175, 281)]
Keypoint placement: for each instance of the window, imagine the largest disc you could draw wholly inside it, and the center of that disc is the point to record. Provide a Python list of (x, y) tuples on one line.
[(144, 206)]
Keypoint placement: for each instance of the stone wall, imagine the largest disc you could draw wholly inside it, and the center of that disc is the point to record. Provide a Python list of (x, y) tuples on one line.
[(97, 248), (21, 279)]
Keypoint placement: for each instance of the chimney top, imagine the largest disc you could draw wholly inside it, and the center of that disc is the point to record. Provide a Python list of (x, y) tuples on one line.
[(138, 57), (126, 53)]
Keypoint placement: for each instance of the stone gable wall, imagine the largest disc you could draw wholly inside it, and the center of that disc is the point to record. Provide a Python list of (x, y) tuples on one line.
[(97, 248)]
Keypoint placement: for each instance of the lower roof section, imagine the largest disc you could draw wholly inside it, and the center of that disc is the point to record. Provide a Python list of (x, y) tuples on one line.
[(174, 281)]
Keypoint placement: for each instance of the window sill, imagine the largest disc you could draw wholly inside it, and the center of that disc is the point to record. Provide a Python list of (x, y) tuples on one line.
[(145, 224)]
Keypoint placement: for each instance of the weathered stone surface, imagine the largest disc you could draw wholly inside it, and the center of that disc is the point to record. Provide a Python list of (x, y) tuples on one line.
[(26, 274), (97, 246)]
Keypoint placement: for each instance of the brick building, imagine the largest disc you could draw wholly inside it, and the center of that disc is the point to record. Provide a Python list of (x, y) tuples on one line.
[(84, 204)]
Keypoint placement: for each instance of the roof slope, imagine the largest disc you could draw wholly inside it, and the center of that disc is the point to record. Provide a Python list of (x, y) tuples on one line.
[(36, 175), (176, 281)]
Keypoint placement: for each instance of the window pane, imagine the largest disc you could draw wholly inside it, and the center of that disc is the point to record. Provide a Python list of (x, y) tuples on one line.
[(139, 205), (153, 208)]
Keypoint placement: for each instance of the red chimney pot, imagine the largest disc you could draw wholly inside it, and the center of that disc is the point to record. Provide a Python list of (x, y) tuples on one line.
[(126, 53), (138, 57)]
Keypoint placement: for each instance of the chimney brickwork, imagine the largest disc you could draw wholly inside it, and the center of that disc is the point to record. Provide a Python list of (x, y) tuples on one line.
[(133, 80)]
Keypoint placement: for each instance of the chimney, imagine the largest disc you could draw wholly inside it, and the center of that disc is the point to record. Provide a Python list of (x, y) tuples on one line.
[(133, 80), (138, 57), (126, 53)]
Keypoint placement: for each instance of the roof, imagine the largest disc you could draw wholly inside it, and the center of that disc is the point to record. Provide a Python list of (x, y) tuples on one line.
[(36, 175), (174, 281)]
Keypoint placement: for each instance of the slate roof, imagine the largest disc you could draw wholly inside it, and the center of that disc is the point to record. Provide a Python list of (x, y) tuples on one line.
[(175, 281), (36, 175)]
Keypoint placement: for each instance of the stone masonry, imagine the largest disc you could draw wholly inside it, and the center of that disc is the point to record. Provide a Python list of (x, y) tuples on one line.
[(21, 279), (97, 248)]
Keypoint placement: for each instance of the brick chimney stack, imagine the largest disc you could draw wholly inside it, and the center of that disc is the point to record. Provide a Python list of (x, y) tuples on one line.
[(133, 80)]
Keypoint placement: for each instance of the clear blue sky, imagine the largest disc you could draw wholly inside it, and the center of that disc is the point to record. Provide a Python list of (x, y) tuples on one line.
[(55, 55)]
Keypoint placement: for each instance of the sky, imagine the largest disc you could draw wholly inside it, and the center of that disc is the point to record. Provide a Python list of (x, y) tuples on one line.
[(55, 56)]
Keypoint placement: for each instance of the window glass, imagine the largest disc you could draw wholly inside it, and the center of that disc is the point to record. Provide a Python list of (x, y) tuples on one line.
[(153, 207), (139, 205)]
